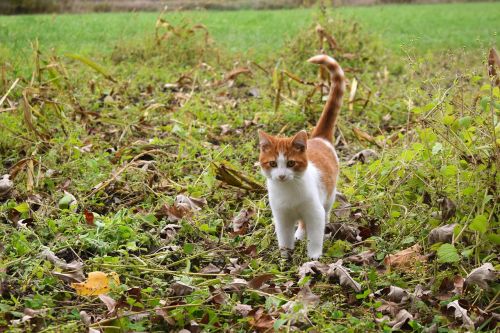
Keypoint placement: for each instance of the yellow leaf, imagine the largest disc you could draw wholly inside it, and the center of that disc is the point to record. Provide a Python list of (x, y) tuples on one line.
[(97, 284)]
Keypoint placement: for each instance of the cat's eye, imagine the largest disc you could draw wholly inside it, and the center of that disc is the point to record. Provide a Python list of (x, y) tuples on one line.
[(290, 164), (273, 164)]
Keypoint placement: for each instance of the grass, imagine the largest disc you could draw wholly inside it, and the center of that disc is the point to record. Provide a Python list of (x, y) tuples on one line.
[(104, 156), (422, 27)]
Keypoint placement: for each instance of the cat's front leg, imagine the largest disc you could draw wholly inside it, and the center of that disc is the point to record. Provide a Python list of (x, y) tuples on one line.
[(314, 219), (284, 226)]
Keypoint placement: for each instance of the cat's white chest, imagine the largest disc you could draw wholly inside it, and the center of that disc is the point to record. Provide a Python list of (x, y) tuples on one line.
[(298, 192)]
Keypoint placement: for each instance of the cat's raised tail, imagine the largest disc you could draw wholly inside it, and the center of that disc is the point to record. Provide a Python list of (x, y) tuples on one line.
[(325, 128)]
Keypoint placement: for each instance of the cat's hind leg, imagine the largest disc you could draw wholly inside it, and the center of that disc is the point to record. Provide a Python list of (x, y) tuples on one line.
[(300, 233)]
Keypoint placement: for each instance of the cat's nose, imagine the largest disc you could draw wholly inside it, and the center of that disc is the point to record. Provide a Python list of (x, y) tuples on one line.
[(281, 177)]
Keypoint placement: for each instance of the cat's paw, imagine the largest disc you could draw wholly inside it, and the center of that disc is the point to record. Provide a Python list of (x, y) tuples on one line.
[(314, 255)]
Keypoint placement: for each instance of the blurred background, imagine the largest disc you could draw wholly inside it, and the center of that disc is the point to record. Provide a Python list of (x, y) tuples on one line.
[(52, 6)]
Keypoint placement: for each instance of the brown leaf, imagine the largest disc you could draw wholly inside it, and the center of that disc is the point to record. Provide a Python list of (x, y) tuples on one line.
[(242, 309), (401, 319), (339, 271), (169, 232), (181, 289), (73, 270), (388, 307), (236, 178), (344, 209), (393, 294), (236, 285), (109, 302), (262, 321), (89, 217), (258, 281), (461, 313), (443, 234), (312, 268), (482, 275), (218, 297), (365, 258), (343, 231), (241, 221), (405, 258), (210, 269), (363, 156), (363, 136)]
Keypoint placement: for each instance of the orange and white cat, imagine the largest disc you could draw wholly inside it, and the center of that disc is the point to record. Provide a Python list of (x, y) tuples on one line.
[(302, 173)]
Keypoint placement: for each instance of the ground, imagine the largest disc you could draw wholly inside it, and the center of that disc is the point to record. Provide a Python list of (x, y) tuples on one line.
[(129, 150)]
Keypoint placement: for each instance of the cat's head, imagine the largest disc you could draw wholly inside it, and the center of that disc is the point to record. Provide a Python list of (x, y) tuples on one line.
[(283, 159)]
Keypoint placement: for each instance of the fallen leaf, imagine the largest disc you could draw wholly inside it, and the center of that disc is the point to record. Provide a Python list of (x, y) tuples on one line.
[(109, 302), (181, 289), (482, 275), (393, 294), (312, 268), (97, 283), (364, 258), (72, 272), (169, 232), (406, 257), (343, 231), (363, 156), (225, 129), (6, 186), (342, 273), (345, 207), (210, 269), (461, 313), (89, 217), (443, 234), (241, 221), (85, 317), (261, 320), (258, 281), (236, 285), (242, 309), (401, 319), (218, 297), (388, 307), (363, 136)]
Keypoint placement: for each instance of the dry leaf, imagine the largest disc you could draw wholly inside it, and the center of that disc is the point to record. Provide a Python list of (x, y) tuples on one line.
[(313, 268), (482, 275), (109, 302), (181, 289), (97, 283), (443, 234), (363, 136), (363, 156), (345, 207), (339, 271), (241, 221), (89, 217), (402, 318), (343, 231), (85, 317), (388, 307), (261, 320), (393, 294), (73, 272), (365, 258), (242, 309), (210, 269), (236, 285), (406, 257), (461, 313), (258, 281), (169, 232)]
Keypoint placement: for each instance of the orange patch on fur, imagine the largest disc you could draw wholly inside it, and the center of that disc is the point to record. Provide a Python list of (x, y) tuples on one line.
[(320, 153)]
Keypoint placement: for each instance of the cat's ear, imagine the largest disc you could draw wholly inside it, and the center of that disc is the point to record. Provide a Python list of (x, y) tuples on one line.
[(264, 140), (299, 141)]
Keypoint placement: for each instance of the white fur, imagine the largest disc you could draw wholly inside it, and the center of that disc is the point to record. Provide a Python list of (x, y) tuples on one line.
[(299, 197)]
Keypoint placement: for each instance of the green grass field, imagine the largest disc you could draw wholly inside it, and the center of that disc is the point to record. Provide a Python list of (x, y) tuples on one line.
[(421, 27), (139, 164)]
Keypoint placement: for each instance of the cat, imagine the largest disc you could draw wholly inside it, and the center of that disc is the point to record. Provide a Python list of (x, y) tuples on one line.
[(301, 173)]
